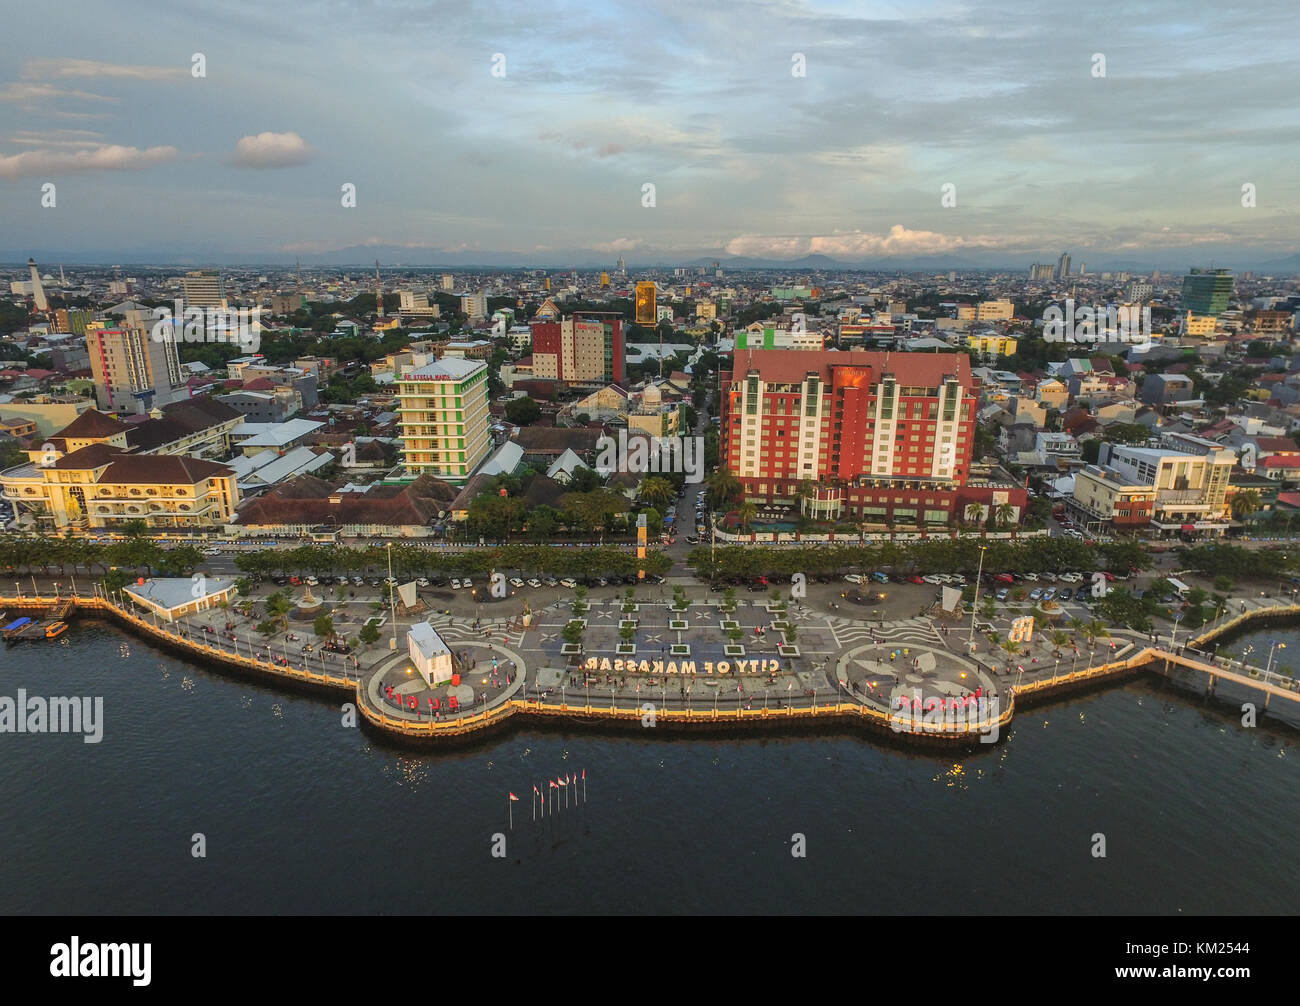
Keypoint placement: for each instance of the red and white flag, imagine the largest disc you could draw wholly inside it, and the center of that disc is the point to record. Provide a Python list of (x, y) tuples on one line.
[(514, 798), (535, 792), (563, 781), (554, 784)]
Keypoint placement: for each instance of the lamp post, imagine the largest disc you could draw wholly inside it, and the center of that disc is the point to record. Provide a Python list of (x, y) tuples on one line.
[(392, 594), (970, 640), (1173, 639), (1269, 666)]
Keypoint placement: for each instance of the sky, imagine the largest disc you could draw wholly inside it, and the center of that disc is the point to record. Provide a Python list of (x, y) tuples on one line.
[(772, 130)]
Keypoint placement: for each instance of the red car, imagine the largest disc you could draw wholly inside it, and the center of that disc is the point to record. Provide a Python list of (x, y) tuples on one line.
[(914, 578), (1004, 578)]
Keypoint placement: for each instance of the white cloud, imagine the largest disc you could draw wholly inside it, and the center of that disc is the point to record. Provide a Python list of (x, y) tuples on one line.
[(104, 157), (28, 91), (44, 69), (271, 150), (855, 244)]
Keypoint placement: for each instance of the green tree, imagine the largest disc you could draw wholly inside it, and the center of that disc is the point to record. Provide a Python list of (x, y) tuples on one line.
[(523, 411)]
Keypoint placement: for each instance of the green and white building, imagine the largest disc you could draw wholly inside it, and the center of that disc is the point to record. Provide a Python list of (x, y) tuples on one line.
[(445, 420)]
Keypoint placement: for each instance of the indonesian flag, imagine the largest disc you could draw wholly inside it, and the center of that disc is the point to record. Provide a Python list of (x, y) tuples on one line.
[(584, 775), (564, 781), (514, 798), (554, 784), (535, 792)]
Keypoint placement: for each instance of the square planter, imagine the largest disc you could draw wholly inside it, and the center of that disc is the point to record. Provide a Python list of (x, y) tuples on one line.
[(728, 626), (734, 650), (678, 624), (580, 608), (775, 608), (571, 649), (780, 626), (627, 624), (630, 609), (626, 649), (580, 621), (679, 650), (788, 649)]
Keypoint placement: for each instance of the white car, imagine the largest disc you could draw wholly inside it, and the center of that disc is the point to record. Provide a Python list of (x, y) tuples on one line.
[(933, 578), (534, 582), (422, 582), (455, 583), (569, 582), (466, 584), (312, 581), (1071, 577), (516, 582), (1031, 577), (212, 551), (854, 578), (1049, 577)]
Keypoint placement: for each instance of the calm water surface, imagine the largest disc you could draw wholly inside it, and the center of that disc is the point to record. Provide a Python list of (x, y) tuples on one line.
[(302, 814)]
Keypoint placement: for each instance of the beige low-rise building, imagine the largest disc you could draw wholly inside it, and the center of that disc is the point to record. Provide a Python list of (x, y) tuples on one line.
[(102, 486)]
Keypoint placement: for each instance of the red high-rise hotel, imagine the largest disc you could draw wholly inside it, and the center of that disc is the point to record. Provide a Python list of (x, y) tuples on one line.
[(882, 437)]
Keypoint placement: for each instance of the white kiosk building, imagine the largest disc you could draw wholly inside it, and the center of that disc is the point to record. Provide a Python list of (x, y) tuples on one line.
[(429, 653)]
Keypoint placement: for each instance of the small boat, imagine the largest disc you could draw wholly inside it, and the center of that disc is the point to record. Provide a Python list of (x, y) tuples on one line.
[(55, 630)]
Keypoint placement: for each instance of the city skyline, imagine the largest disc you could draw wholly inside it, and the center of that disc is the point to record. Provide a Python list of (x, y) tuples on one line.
[(531, 143)]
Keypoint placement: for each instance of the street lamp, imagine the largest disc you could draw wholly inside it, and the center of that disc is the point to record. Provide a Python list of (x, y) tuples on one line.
[(1269, 666), (970, 640)]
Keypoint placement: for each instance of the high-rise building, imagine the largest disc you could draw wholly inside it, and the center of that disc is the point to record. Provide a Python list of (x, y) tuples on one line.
[(474, 305), (445, 420), (204, 288), (1207, 291), (1063, 265), (879, 437), (604, 280), (646, 294), (448, 282), (133, 371), (586, 348), (38, 290), (1040, 271)]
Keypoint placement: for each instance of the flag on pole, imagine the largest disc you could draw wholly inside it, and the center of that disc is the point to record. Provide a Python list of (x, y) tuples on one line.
[(564, 781), (514, 798)]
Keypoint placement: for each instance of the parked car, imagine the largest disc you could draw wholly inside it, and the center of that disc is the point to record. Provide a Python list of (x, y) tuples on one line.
[(880, 577), (915, 579), (692, 539), (534, 582), (312, 581), (516, 581), (455, 583), (853, 578), (1031, 577), (569, 582), (550, 581), (1083, 595), (467, 584), (1036, 594), (1003, 593), (422, 582), (1004, 578)]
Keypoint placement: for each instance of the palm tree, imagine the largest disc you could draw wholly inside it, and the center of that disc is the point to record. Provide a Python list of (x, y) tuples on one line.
[(657, 490), (747, 512), (724, 489), (1059, 639), (1005, 514), (1245, 503), (975, 513)]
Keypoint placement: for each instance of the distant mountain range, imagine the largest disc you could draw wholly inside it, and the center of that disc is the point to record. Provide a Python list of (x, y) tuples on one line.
[(397, 256)]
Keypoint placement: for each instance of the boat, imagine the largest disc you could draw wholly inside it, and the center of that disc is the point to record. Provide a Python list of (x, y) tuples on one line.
[(16, 625), (55, 630)]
